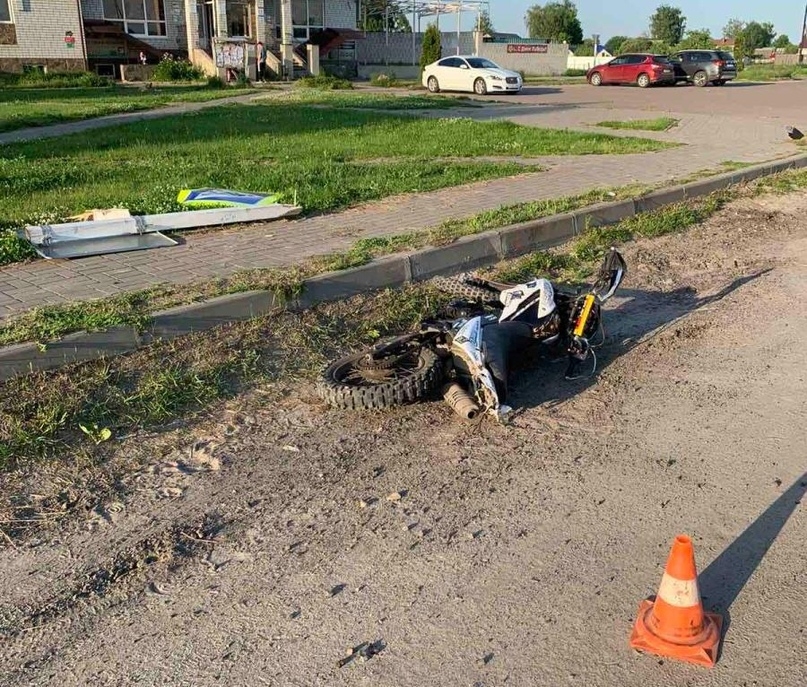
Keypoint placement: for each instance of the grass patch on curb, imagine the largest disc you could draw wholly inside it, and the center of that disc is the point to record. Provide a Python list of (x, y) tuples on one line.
[(657, 124), (782, 183), (584, 254), (53, 322)]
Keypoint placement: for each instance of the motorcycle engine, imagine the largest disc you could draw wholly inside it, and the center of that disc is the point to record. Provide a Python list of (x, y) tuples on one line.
[(548, 327)]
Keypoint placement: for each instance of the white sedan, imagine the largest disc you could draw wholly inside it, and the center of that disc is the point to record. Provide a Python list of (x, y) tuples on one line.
[(472, 74)]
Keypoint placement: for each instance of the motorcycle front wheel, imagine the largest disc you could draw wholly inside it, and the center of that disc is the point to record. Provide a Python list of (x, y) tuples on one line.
[(360, 382)]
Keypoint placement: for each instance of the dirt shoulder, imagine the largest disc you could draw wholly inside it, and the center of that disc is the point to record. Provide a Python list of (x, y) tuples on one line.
[(259, 545)]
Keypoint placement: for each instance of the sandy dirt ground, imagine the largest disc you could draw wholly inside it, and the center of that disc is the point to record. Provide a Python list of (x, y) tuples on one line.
[(259, 546)]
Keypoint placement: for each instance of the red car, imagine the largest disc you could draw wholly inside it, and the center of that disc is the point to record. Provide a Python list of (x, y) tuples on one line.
[(642, 69)]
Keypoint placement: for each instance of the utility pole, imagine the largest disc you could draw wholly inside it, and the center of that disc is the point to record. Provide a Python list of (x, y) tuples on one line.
[(803, 41), (414, 36), (459, 20)]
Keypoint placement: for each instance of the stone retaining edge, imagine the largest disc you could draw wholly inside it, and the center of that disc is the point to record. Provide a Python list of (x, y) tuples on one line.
[(466, 253)]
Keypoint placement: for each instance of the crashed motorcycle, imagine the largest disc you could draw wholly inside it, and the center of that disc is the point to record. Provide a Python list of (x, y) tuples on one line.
[(466, 358)]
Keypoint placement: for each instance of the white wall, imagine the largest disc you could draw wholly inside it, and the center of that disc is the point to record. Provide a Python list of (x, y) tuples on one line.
[(40, 32), (550, 63)]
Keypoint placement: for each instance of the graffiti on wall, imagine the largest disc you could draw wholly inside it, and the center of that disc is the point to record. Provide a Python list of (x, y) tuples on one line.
[(230, 55)]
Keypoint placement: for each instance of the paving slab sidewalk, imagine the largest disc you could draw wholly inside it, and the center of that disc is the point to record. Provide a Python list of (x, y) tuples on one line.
[(222, 253)]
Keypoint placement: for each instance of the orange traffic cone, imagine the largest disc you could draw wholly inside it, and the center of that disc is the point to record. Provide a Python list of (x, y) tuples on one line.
[(675, 625)]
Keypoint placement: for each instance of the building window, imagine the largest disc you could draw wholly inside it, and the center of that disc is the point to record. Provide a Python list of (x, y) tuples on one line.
[(307, 17), (5, 12), (239, 18), (137, 17)]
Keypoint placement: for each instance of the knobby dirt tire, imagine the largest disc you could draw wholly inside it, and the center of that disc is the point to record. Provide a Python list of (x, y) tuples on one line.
[(421, 383), (458, 288)]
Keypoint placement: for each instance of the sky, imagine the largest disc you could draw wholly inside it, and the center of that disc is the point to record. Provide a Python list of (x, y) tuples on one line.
[(631, 17)]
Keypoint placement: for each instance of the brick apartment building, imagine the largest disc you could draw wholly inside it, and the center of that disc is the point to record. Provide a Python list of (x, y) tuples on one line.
[(102, 34), (34, 33)]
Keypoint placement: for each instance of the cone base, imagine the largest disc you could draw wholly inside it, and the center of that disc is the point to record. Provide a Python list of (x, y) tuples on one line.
[(703, 653)]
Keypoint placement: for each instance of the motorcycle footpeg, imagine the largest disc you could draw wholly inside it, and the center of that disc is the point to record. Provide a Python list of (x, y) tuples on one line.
[(572, 369)]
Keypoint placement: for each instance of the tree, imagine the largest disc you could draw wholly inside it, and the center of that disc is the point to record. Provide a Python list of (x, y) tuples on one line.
[(615, 43), (485, 24), (432, 47), (740, 49), (376, 12), (668, 24), (733, 28), (756, 35), (585, 49), (782, 42), (699, 39), (636, 45), (555, 21)]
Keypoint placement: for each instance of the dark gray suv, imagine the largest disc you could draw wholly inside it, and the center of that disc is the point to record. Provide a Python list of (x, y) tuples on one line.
[(703, 67)]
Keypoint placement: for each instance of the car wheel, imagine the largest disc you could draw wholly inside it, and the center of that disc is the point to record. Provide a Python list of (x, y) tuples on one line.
[(700, 79), (596, 79), (643, 81), (480, 88), (434, 86)]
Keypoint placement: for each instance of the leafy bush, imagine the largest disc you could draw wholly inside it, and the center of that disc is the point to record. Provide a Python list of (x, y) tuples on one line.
[(324, 82), (575, 72), (215, 82), (384, 80), (14, 249), (636, 45), (172, 69), (342, 71), (432, 47), (40, 79)]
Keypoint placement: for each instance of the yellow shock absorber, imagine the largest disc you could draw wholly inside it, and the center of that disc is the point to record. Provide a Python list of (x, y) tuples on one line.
[(582, 321)]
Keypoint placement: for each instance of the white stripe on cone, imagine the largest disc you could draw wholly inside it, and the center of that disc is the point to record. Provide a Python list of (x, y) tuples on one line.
[(679, 593)]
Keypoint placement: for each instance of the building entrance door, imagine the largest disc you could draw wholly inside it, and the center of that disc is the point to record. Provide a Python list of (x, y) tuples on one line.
[(207, 26)]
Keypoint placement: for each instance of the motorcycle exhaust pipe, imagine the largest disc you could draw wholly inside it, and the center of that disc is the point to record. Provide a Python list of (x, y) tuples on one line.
[(460, 401)]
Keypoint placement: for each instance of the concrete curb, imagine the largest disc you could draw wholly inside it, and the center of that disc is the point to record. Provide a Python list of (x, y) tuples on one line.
[(467, 253)]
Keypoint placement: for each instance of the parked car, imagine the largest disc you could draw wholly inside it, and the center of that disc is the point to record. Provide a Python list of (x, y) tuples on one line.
[(642, 69), (702, 67), (472, 74)]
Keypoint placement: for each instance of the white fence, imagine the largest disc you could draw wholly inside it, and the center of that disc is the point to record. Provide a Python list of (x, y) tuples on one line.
[(574, 62)]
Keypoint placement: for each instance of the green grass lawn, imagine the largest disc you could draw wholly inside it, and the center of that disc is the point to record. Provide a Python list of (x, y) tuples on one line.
[(658, 124), (329, 157), (374, 101), (773, 72), (22, 107)]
